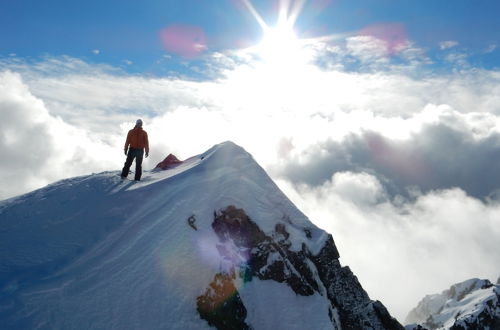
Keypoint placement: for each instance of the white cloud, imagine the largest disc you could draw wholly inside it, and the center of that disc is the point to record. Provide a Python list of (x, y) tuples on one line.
[(367, 48), (96, 51), (363, 53), (459, 59), (403, 250), (361, 189), (39, 148), (59, 66), (448, 44), (491, 49), (437, 148)]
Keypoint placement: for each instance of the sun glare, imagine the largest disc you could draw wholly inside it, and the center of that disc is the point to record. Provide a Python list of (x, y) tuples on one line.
[(279, 78), (279, 44)]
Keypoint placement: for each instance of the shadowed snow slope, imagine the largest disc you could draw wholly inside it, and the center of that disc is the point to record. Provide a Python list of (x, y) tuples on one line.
[(211, 243)]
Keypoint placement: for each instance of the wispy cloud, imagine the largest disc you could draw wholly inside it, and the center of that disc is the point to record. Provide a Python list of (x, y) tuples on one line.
[(490, 49), (458, 59), (367, 48), (448, 44)]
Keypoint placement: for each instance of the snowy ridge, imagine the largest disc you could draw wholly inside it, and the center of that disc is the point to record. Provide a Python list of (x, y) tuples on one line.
[(209, 243), (472, 304)]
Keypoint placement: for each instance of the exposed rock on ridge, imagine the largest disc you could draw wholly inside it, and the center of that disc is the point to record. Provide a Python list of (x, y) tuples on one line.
[(248, 252), (169, 162)]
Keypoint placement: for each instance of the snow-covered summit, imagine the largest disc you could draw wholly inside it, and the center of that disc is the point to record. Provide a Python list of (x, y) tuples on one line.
[(211, 242), (472, 304)]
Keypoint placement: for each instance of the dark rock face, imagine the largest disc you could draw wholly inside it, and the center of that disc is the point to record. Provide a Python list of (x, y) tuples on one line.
[(221, 305), (416, 327), (355, 308), (256, 248), (248, 252)]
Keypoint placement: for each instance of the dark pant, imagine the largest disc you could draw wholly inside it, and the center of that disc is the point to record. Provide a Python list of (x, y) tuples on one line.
[(137, 154)]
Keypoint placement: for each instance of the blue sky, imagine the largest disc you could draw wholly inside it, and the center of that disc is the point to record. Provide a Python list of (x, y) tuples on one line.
[(129, 31), (379, 119)]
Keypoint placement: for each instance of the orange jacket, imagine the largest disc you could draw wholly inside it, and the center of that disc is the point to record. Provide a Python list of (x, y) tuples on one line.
[(137, 138)]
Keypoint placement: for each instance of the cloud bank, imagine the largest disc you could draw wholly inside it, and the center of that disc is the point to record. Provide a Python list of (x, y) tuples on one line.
[(448, 150), (396, 160), (402, 250), (39, 148)]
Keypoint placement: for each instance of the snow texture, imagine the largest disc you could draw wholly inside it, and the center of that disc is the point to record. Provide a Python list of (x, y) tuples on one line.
[(472, 304), (98, 252)]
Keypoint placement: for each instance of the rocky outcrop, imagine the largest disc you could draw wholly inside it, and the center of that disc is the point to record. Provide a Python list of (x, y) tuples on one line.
[(356, 310), (415, 327), (169, 162), (247, 252), (472, 304), (221, 305)]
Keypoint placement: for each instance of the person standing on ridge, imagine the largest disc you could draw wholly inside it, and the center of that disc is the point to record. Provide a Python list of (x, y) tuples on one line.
[(136, 143)]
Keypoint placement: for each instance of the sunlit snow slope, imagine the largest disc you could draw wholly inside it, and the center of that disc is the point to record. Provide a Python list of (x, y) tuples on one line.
[(210, 243), (472, 304)]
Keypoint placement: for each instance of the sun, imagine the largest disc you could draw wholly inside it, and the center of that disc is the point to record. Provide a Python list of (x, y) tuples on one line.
[(279, 44), (280, 69)]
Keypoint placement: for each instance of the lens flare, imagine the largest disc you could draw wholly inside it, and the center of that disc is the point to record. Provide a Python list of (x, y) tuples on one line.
[(393, 35), (184, 40)]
